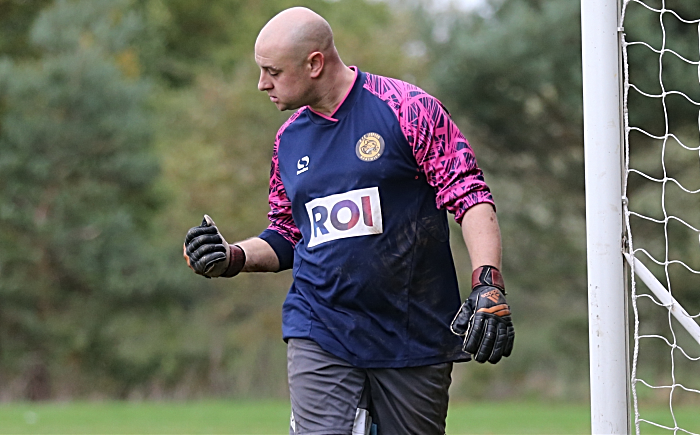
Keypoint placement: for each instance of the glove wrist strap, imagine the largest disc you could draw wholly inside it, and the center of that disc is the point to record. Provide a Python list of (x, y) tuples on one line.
[(488, 275), (236, 263)]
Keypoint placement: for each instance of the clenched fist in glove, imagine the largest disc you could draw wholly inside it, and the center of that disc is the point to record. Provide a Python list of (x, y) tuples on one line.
[(208, 254), (484, 318)]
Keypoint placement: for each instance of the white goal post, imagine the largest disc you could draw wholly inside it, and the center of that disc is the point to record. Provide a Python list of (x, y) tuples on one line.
[(603, 139), (621, 175)]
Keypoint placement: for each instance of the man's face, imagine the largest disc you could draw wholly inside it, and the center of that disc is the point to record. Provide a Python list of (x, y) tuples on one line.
[(284, 78)]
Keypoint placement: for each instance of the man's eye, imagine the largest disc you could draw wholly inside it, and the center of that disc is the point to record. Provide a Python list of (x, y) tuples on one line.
[(272, 73)]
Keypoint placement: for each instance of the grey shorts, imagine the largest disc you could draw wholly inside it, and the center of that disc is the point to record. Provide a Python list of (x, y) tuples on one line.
[(330, 397)]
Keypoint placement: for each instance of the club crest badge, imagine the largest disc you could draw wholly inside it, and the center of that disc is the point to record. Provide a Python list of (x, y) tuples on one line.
[(370, 147)]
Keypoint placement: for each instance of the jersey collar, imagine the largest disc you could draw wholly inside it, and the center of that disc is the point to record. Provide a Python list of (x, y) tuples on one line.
[(345, 105)]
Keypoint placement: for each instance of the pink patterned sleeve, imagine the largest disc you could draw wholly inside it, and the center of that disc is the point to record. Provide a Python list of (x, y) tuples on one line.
[(280, 215), (440, 149)]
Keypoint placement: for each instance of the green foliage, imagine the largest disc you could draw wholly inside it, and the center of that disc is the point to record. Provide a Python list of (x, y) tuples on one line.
[(121, 123), (77, 175), (512, 79), (16, 17)]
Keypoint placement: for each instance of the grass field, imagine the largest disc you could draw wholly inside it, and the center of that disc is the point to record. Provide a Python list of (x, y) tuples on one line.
[(272, 417)]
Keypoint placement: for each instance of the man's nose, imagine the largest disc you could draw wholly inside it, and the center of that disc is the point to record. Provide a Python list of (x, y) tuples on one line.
[(263, 83)]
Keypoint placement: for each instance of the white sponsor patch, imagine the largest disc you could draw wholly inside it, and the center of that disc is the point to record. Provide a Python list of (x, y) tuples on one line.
[(349, 214)]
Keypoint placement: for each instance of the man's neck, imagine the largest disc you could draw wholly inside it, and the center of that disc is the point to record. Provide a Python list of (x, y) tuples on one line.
[(336, 93)]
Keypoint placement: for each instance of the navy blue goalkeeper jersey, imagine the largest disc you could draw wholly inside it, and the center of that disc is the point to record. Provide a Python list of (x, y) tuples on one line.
[(360, 198)]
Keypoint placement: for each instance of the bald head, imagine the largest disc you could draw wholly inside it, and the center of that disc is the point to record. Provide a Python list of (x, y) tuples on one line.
[(299, 64), (297, 32)]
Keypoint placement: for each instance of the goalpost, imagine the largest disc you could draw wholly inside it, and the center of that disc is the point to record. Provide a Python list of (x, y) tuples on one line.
[(642, 176), (607, 312)]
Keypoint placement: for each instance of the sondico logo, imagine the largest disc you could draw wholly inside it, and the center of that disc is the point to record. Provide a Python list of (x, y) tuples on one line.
[(370, 147), (349, 214), (303, 165)]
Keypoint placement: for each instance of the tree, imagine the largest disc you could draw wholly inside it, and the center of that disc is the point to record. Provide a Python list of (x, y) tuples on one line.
[(121, 122), (511, 75), (16, 17), (78, 194), (512, 78)]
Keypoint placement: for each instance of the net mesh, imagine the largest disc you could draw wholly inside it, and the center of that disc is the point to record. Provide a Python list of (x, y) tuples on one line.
[(660, 43)]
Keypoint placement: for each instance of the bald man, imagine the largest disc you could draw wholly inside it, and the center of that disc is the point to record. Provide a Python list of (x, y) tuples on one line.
[(362, 175)]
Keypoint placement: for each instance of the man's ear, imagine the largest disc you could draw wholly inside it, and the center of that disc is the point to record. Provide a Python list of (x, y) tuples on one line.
[(315, 62)]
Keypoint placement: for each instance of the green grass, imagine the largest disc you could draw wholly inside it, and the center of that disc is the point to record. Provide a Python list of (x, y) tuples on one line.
[(272, 417), (202, 417), (518, 418)]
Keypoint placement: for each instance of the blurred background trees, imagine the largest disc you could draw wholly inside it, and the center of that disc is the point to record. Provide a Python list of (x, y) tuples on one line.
[(512, 79), (122, 122), (78, 175)]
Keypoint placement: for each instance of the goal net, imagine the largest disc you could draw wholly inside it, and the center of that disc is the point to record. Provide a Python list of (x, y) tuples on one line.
[(660, 42)]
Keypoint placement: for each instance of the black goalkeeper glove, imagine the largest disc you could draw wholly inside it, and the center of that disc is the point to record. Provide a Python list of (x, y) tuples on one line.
[(208, 254), (484, 318)]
